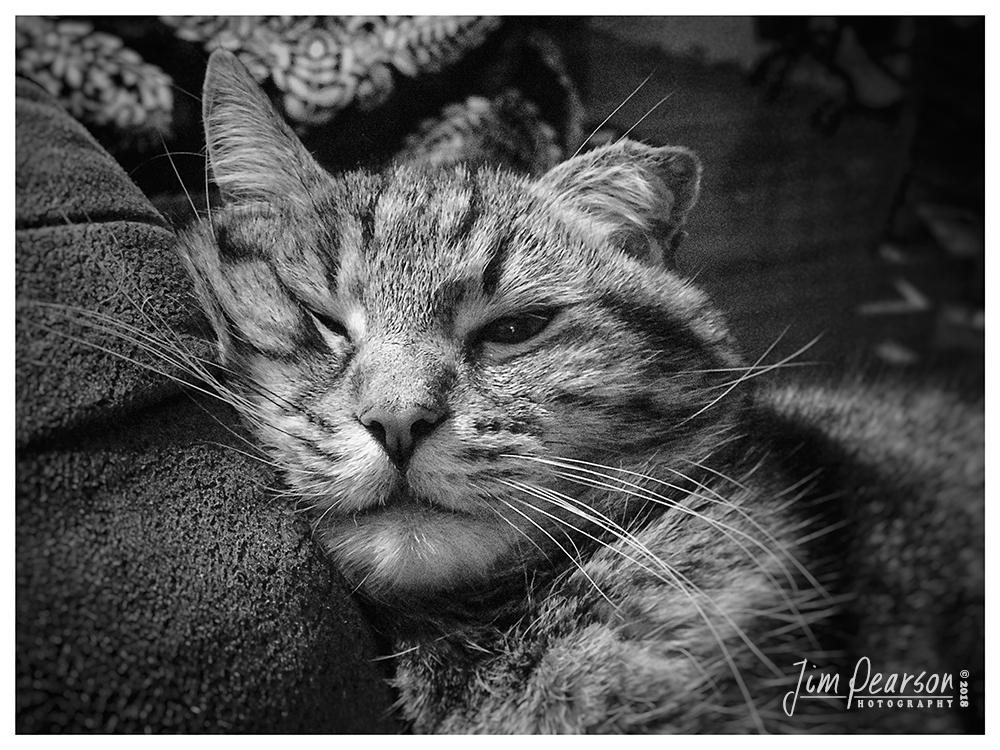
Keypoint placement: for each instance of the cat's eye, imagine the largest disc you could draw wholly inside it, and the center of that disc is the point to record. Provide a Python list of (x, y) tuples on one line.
[(331, 324), (515, 329)]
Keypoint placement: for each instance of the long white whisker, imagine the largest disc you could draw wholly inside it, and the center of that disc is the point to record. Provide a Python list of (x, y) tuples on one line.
[(650, 495), (679, 581), (609, 525), (163, 349), (733, 534), (767, 534), (644, 493), (166, 351), (575, 559), (323, 515), (747, 369), (744, 378), (173, 166), (506, 520), (608, 118), (651, 110), (119, 355)]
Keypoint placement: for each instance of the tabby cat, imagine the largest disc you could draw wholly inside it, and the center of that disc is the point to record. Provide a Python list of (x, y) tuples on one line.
[(535, 452)]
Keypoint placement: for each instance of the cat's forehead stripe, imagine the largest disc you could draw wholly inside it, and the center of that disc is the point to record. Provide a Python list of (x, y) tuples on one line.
[(446, 207), (438, 227), (436, 240), (467, 214), (496, 256), (367, 206)]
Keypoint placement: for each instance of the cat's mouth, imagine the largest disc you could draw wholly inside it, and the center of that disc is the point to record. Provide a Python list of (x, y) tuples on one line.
[(418, 490), (404, 500), (405, 541)]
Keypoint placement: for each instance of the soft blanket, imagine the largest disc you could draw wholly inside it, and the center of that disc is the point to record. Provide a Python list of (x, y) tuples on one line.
[(160, 588)]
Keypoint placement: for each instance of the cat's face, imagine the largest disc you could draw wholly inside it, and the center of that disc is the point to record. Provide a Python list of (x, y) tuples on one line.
[(435, 357)]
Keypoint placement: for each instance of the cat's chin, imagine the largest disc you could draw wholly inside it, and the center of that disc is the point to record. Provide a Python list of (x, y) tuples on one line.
[(418, 550)]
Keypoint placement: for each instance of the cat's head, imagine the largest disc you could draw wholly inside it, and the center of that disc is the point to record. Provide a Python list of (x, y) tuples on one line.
[(448, 365)]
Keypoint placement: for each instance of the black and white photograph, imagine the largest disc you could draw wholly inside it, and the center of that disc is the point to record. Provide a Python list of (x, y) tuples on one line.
[(500, 375)]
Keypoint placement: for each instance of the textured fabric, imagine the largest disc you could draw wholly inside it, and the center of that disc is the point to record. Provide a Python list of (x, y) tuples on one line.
[(322, 64), (159, 586), (86, 238), (357, 89), (98, 79), (501, 131), (319, 64)]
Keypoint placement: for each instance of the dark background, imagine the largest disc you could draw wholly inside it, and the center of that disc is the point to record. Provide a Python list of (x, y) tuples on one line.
[(836, 199)]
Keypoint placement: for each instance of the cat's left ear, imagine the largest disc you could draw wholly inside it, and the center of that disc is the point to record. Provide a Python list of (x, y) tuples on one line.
[(636, 195), (255, 156)]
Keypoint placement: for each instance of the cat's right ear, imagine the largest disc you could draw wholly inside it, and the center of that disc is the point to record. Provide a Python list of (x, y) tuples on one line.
[(637, 196), (254, 155)]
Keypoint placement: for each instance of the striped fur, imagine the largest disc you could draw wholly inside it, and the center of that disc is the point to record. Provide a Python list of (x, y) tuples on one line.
[(413, 264), (589, 531)]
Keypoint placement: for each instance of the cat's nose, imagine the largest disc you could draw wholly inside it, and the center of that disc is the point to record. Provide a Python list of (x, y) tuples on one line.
[(399, 430)]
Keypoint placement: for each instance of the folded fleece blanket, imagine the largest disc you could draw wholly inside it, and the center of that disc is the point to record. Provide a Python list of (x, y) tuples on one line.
[(160, 588)]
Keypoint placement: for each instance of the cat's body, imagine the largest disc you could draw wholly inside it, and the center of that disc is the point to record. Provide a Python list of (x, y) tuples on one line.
[(535, 452), (845, 481)]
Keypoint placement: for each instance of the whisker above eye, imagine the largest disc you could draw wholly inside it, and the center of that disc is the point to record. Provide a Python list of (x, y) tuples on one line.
[(744, 378), (607, 119), (648, 113)]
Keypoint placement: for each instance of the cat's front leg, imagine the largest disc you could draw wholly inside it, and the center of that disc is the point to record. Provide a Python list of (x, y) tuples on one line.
[(587, 680)]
